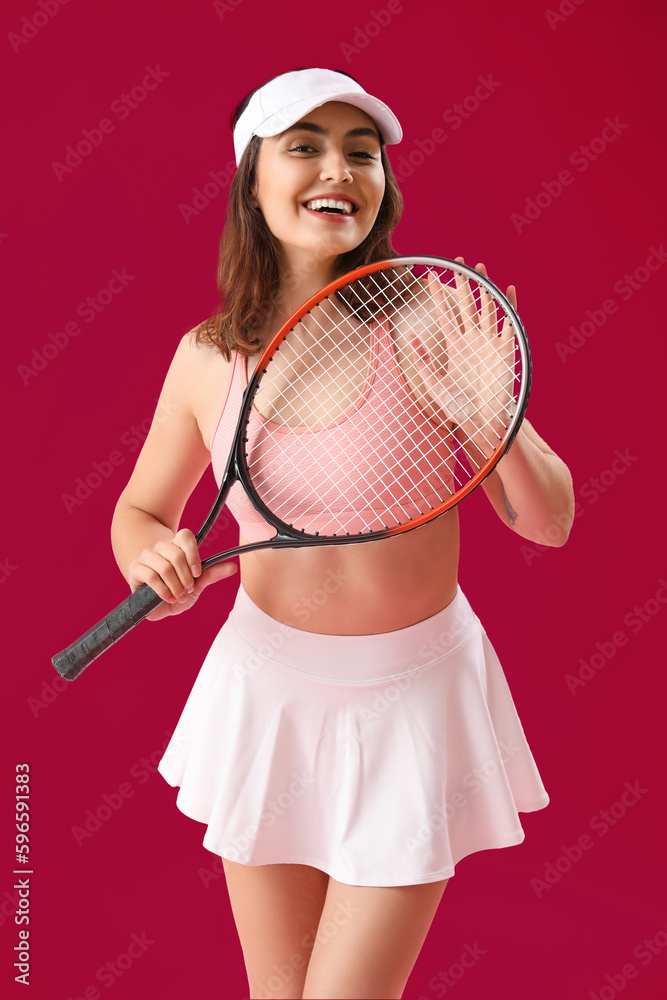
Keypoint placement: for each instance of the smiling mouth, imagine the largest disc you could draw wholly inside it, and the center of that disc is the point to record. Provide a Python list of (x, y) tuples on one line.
[(330, 211)]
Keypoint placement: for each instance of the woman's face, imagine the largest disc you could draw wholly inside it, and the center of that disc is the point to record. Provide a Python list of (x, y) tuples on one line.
[(321, 157)]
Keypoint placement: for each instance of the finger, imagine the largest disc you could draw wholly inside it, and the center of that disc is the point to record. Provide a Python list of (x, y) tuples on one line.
[(448, 307), (158, 573), (488, 313), (177, 608), (213, 574), (186, 540), (466, 301), (420, 350), (422, 359), (142, 571), (162, 612), (457, 325), (447, 313), (175, 554), (436, 291), (165, 611), (506, 328), (426, 371)]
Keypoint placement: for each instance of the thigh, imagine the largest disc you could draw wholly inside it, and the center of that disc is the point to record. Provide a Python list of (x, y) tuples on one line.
[(276, 910), (369, 938)]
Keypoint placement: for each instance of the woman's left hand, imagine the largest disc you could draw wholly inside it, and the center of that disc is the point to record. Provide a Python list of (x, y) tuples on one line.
[(475, 386)]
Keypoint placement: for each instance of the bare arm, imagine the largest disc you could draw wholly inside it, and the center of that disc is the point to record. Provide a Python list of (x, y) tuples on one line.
[(531, 490), (147, 543), (531, 487)]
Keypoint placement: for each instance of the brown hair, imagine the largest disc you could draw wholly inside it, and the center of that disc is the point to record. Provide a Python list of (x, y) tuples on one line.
[(247, 293)]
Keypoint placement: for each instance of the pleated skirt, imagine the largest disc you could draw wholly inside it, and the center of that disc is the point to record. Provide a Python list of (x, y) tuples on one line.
[(380, 759)]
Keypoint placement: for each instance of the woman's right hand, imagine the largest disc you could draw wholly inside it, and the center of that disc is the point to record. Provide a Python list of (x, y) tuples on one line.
[(173, 569)]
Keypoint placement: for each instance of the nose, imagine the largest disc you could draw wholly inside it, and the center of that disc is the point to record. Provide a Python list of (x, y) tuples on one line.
[(335, 169)]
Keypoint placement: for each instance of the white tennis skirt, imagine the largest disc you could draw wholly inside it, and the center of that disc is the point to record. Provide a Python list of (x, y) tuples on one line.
[(380, 759)]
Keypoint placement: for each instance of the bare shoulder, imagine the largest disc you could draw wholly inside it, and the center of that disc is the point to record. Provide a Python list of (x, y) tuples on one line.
[(195, 358), (200, 376), (176, 450)]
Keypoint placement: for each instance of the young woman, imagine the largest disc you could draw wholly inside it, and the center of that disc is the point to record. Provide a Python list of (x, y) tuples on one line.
[(351, 734)]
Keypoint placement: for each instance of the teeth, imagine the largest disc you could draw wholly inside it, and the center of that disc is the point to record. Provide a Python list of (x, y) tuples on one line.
[(344, 206)]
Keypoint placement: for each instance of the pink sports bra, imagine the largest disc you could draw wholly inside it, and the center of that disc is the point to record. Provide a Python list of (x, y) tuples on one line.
[(298, 448)]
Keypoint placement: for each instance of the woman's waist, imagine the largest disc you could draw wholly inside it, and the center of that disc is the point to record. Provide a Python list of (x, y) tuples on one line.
[(361, 588), (353, 658)]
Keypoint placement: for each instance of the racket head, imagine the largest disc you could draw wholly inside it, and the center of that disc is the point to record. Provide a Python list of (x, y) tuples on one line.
[(331, 400), (326, 348)]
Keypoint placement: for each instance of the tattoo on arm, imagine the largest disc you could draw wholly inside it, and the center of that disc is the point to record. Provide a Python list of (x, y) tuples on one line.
[(509, 510)]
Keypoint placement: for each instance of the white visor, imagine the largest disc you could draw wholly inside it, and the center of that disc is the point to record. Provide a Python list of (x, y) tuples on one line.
[(283, 101)]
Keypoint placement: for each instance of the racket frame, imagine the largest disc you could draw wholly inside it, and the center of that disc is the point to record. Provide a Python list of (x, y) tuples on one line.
[(70, 662), (236, 469)]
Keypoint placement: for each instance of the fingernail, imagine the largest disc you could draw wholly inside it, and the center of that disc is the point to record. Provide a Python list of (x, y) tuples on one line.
[(182, 599), (195, 570), (190, 589)]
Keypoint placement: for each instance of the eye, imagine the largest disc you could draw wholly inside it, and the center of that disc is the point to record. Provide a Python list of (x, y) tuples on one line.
[(303, 147)]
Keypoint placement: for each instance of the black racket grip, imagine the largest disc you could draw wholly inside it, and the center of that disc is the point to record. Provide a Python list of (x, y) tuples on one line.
[(71, 661)]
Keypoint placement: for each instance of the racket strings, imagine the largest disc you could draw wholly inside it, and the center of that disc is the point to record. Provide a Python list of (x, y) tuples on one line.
[(413, 478), (334, 484), (329, 468), (488, 440), (390, 479), (364, 361), (470, 317), (458, 481), (452, 357)]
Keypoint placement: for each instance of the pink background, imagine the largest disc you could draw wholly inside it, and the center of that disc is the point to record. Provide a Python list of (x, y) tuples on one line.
[(144, 871)]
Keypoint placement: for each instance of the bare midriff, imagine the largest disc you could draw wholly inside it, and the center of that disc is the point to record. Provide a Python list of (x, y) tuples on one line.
[(358, 589)]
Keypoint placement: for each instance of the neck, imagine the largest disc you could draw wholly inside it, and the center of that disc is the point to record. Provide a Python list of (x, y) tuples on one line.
[(302, 274)]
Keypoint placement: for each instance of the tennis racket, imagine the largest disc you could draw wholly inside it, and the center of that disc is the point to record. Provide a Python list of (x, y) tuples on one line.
[(379, 405)]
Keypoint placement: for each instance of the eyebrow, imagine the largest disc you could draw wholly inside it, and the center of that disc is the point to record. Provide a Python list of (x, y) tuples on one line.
[(318, 130)]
